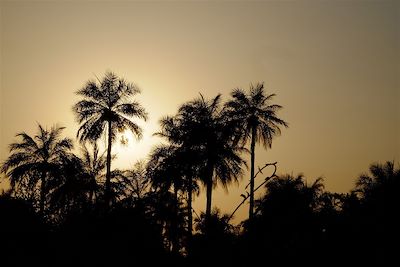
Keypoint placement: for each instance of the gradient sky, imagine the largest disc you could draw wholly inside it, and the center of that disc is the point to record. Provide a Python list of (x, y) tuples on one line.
[(335, 67)]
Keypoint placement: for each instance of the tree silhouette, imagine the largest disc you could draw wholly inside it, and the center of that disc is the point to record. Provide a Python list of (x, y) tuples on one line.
[(130, 187), (21, 231), (94, 165), (55, 211), (165, 171), (203, 129), (285, 222), (107, 106), (214, 240), (183, 151), (291, 193), (73, 189), (136, 182), (383, 177), (374, 216), (34, 160), (254, 118), (219, 224), (164, 168)]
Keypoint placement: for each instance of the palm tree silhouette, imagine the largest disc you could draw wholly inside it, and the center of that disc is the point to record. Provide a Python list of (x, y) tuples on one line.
[(136, 182), (107, 106), (94, 165), (219, 223), (165, 171), (72, 189), (285, 223), (78, 184), (291, 194), (182, 151), (216, 240), (208, 133), (383, 179), (34, 160), (376, 217), (255, 119), (200, 146)]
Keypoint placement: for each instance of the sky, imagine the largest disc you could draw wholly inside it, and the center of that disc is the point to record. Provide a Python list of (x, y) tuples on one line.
[(334, 67)]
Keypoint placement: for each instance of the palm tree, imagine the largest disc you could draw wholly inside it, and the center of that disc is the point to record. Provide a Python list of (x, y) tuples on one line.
[(107, 107), (72, 189), (78, 184), (94, 165), (136, 181), (206, 132), (291, 194), (382, 182), (165, 171), (376, 215), (254, 118), (219, 223), (203, 147), (286, 222), (34, 160), (182, 151)]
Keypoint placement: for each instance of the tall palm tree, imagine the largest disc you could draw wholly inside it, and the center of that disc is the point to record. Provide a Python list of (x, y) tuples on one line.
[(203, 147), (107, 108), (208, 134), (254, 118), (35, 159)]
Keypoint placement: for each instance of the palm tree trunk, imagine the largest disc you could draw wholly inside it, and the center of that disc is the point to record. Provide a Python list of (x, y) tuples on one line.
[(209, 185), (42, 193), (252, 148), (107, 193), (190, 214), (174, 225)]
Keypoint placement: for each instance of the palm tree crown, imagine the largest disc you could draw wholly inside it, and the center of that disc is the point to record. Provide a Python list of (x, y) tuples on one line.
[(34, 159), (380, 185), (107, 105), (254, 111), (207, 132)]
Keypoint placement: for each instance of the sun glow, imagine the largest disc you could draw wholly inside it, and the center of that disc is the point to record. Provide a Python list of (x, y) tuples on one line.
[(128, 149), (125, 139)]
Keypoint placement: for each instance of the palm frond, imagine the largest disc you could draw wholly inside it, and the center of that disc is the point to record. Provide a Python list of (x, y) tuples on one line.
[(124, 123), (132, 109), (27, 143)]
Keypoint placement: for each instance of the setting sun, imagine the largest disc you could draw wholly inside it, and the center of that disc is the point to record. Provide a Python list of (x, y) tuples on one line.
[(129, 149)]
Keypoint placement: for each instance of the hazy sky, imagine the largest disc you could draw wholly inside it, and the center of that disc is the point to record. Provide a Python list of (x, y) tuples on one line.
[(335, 67)]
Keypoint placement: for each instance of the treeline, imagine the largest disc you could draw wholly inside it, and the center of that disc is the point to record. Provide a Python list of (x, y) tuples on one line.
[(294, 223), (67, 208)]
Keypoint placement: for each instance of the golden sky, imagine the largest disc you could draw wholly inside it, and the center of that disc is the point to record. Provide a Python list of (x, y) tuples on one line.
[(335, 67)]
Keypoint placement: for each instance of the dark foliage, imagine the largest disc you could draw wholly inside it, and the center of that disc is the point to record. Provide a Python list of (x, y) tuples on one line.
[(66, 209)]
